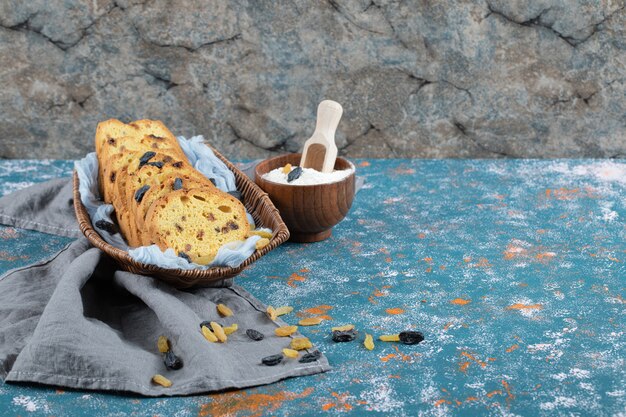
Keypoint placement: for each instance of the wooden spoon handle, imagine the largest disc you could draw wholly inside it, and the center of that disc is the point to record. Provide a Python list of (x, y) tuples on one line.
[(328, 115), (320, 151)]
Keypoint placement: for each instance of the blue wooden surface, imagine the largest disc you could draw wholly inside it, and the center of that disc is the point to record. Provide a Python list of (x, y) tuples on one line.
[(514, 270)]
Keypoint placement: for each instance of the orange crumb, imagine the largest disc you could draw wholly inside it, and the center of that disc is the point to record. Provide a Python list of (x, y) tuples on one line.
[(512, 348), (460, 301), (394, 311), (519, 306)]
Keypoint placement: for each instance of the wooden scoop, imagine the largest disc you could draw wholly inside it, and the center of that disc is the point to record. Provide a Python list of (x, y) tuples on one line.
[(320, 150)]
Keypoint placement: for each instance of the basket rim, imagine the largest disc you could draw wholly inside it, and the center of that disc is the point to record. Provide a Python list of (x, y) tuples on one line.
[(188, 276)]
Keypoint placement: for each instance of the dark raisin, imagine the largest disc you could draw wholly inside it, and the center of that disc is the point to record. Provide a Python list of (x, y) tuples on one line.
[(310, 357), (112, 177), (272, 360), (145, 158), (178, 184), (294, 174), (184, 256), (236, 194), (70, 202), (167, 159), (107, 226), (206, 323), (178, 227), (232, 225), (155, 137), (140, 193), (157, 164), (212, 181), (255, 335), (217, 229), (172, 361), (340, 336), (177, 164), (411, 337)]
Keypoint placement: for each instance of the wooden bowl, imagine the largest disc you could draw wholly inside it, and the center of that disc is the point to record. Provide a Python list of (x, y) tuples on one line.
[(309, 211), (256, 201)]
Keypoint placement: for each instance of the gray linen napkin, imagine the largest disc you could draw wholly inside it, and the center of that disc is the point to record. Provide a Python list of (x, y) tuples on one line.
[(75, 320)]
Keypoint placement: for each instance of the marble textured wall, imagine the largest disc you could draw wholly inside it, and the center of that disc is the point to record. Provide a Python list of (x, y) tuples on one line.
[(490, 78)]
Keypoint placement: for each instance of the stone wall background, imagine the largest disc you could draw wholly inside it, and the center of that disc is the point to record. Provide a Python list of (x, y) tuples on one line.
[(492, 78)]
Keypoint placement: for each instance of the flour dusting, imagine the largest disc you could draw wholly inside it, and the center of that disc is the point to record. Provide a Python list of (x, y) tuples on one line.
[(309, 176)]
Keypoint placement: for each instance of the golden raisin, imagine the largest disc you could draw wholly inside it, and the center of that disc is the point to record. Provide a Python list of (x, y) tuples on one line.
[(231, 329), (290, 353), (344, 328), (287, 169), (208, 334), (224, 311), (261, 243), (369, 342), (390, 338), (300, 343), (281, 311), (271, 312), (161, 380), (218, 331), (311, 321), (163, 344), (286, 331)]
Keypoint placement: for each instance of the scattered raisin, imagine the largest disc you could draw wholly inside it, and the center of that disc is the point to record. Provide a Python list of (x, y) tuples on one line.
[(236, 194), (213, 181), (272, 360), (177, 164), (311, 321), (155, 137), (157, 164), (255, 335), (310, 357), (184, 256), (218, 330), (232, 225), (231, 329), (290, 353), (167, 159), (172, 361), (294, 174), (163, 344), (208, 334), (112, 177), (145, 158), (344, 336), (107, 226), (411, 337), (161, 380), (281, 311), (284, 331), (224, 310), (178, 184), (178, 227), (300, 343), (271, 312), (140, 193), (111, 141)]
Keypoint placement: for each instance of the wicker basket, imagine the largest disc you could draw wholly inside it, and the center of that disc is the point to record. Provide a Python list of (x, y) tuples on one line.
[(256, 201)]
